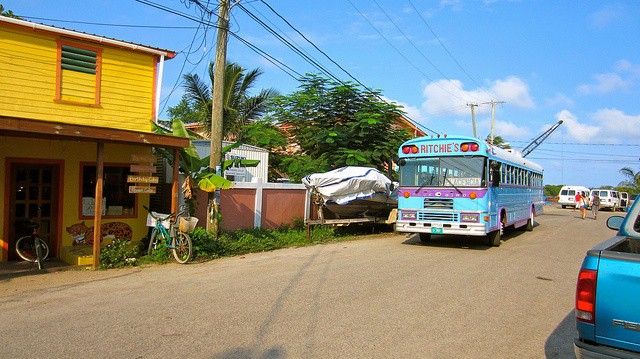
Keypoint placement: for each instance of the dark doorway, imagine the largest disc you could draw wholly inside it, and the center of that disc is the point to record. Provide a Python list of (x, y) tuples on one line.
[(34, 195)]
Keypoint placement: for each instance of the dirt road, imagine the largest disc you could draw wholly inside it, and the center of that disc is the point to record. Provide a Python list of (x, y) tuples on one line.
[(383, 296)]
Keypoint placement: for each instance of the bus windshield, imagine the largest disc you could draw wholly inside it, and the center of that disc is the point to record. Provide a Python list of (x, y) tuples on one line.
[(467, 171)]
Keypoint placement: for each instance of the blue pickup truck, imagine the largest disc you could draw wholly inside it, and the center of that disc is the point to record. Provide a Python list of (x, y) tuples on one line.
[(608, 293)]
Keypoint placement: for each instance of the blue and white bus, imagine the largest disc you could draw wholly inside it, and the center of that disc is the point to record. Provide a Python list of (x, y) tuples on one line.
[(464, 186)]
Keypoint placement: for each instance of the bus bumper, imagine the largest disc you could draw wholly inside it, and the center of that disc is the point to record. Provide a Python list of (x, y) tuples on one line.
[(466, 229)]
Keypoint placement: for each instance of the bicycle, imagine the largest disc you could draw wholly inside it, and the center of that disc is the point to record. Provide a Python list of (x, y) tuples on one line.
[(176, 240), (32, 248)]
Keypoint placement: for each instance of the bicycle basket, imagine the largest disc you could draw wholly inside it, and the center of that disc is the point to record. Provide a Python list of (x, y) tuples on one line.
[(188, 224), (151, 222)]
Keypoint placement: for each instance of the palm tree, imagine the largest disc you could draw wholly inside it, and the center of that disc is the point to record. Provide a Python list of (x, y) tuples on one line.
[(633, 179), (239, 106), (499, 142)]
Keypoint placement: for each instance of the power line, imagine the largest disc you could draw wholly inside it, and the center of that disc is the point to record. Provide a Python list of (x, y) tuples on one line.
[(208, 23), (175, 12), (582, 160), (447, 50), (339, 66), (165, 101), (284, 33), (418, 49), (402, 55), (316, 47), (589, 153), (300, 53), (268, 57), (585, 144), (111, 25)]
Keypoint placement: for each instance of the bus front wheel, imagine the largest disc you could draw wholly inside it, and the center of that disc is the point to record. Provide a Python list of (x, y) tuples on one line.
[(493, 238), (425, 237)]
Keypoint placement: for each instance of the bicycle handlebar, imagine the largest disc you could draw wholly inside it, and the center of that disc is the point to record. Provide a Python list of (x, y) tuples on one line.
[(162, 219)]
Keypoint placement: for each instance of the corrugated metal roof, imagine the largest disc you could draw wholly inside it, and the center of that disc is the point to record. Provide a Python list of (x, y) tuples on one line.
[(88, 37), (227, 143)]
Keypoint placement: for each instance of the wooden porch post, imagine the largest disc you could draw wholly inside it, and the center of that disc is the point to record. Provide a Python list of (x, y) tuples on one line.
[(176, 181), (97, 212)]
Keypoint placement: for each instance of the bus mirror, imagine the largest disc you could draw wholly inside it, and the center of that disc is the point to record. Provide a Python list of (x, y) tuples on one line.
[(402, 162)]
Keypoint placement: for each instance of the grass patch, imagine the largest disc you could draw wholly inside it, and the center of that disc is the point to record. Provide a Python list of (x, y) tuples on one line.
[(207, 246)]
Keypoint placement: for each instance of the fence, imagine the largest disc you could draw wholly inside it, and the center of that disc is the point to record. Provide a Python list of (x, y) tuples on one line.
[(257, 204)]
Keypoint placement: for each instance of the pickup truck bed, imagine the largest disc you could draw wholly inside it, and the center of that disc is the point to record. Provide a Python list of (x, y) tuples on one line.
[(608, 296)]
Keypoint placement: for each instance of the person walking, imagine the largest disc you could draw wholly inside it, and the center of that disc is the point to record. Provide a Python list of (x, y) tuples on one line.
[(583, 206), (595, 205), (578, 199)]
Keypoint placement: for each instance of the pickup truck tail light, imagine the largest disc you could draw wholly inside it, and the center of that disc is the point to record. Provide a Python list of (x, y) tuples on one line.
[(586, 296)]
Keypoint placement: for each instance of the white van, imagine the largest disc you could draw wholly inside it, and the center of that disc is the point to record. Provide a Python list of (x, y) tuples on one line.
[(567, 197), (624, 200), (608, 198)]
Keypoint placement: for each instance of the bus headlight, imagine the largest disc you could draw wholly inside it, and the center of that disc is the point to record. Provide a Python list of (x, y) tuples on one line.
[(409, 215), (469, 217)]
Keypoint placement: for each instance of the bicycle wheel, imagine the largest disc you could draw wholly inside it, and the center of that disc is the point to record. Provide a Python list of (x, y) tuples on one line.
[(26, 249), (153, 241), (181, 250)]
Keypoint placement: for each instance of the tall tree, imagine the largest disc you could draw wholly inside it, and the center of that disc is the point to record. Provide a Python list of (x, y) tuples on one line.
[(633, 179), (499, 141), (8, 13), (335, 125), (240, 107)]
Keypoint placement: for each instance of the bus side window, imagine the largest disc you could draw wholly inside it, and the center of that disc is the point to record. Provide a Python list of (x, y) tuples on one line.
[(494, 170)]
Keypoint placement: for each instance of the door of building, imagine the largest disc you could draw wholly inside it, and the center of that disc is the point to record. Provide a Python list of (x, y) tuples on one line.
[(34, 195)]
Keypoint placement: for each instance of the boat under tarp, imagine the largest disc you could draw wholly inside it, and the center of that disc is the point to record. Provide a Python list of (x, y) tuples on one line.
[(351, 192)]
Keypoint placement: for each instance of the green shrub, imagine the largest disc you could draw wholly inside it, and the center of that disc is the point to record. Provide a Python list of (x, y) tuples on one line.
[(231, 243), (162, 253), (118, 254), (205, 245)]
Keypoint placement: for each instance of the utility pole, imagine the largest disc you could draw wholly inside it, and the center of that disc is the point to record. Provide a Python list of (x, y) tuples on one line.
[(473, 117), (493, 115), (217, 111)]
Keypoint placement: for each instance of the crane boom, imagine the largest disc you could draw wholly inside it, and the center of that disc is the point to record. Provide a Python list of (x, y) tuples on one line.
[(535, 143)]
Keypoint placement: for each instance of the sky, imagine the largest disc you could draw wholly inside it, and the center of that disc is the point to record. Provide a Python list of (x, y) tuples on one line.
[(576, 61)]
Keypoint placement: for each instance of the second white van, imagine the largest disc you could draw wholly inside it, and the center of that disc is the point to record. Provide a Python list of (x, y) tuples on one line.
[(608, 198), (567, 197)]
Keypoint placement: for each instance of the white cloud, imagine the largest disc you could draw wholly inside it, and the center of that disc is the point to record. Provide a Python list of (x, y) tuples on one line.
[(626, 66), (510, 130), (605, 83), (505, 129), (624, 76), (618, 126), (605, 16), (455, 5), (559, 99), (514, 91), (580, 132), (412, 111), (447, 97)]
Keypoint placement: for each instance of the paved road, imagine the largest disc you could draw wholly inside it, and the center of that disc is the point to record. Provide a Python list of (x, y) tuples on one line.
[(384, 296)]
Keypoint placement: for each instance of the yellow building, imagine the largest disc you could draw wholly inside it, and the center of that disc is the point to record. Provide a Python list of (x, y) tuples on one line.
[(73, 105)]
